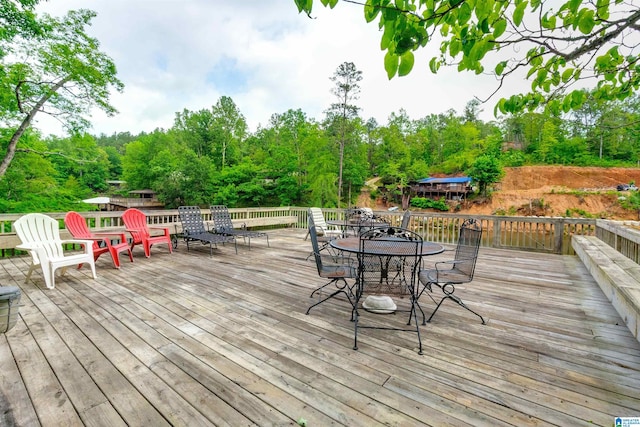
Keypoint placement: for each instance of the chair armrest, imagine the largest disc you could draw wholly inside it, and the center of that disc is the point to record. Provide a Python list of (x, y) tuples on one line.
[(102, 236), (26, 246), (85, 242), (164, 229), (450, 263)]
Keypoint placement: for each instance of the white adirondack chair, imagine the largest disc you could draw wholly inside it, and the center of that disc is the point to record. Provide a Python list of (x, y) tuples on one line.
[(40, 236)]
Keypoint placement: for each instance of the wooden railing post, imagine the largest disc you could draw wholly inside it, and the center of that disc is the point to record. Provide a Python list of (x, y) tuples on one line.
[(558, 235), (495, 241)]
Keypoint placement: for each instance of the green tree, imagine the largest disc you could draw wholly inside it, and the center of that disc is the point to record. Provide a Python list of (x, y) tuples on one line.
[(144, 160), (60, 72), (342, 113), (79, 156), (17, 19), (556, 44), (485, 170), (196, 130), (230, 131)]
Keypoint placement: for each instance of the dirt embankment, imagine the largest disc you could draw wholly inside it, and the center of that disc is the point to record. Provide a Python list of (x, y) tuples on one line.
[(560, 191), (553, 191)]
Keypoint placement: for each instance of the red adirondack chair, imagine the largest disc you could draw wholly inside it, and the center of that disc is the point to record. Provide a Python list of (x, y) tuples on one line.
[(135, 222), (77, 226)]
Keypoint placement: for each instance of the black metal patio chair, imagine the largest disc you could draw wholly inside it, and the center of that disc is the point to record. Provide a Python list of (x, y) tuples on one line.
[(447, 274), (337, 268), (223, 225), (194, 230)]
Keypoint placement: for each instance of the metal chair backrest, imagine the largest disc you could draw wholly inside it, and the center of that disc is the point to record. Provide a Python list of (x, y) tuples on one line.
[(388, 260), (315, 246), (191, 219), (221, 218), (468, 247), (359, 214)]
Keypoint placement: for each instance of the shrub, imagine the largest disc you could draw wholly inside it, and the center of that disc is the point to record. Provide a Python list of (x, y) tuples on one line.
[(425, 203)]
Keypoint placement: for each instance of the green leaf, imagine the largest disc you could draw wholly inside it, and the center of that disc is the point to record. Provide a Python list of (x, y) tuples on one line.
[(387, 36), (518, 14), (499, 107), (499, 28), (464, 13), (370, 12), (406, 64), (500, 68), (302, 4), (566, 75), (548, 22), (484, 9), (484, 26), (586, 21), (391, 64), (331, 3), (434, 65), (602, 7), (455, 46), (574, 5)]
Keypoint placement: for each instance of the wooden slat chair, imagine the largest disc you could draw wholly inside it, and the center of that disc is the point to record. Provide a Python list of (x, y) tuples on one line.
[(135, 222), (447, 274), (223, 225), (194, 230), (40, 236), (102, 242)]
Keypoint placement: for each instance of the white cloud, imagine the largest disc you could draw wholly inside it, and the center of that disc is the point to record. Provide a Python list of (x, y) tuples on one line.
[(177, 54)]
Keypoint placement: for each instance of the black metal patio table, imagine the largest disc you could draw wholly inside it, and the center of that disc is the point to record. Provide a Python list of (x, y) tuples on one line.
[(357, 226), (388, 258), (352, 244)]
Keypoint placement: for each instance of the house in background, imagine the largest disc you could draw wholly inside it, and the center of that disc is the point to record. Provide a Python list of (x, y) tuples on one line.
[(451, 188), (140, 199)]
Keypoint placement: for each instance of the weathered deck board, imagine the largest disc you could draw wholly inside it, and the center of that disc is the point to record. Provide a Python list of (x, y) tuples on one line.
[(188, 339)]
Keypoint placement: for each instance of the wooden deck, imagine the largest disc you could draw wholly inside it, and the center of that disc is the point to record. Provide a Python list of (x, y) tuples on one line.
[(192, 340)]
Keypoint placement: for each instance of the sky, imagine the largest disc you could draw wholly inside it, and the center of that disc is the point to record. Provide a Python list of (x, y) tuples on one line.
[(173, 55)]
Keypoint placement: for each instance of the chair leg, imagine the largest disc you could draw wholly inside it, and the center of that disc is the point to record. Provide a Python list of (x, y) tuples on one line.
[(449, 289), (114, 257), (341, 289), (31, 268), (93, 270)]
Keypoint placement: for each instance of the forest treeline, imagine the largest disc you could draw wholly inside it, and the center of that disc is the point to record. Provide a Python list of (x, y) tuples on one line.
[(210, 156)]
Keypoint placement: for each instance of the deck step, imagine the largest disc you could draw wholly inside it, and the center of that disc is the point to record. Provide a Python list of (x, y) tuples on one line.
[(617, 276)]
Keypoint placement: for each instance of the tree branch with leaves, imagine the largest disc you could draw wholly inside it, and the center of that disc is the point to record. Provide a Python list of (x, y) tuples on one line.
[(58, 71), (556, 44)]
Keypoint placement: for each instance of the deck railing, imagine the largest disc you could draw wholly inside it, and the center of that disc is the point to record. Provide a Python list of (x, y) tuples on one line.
[(623, 236), (540, 234)]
